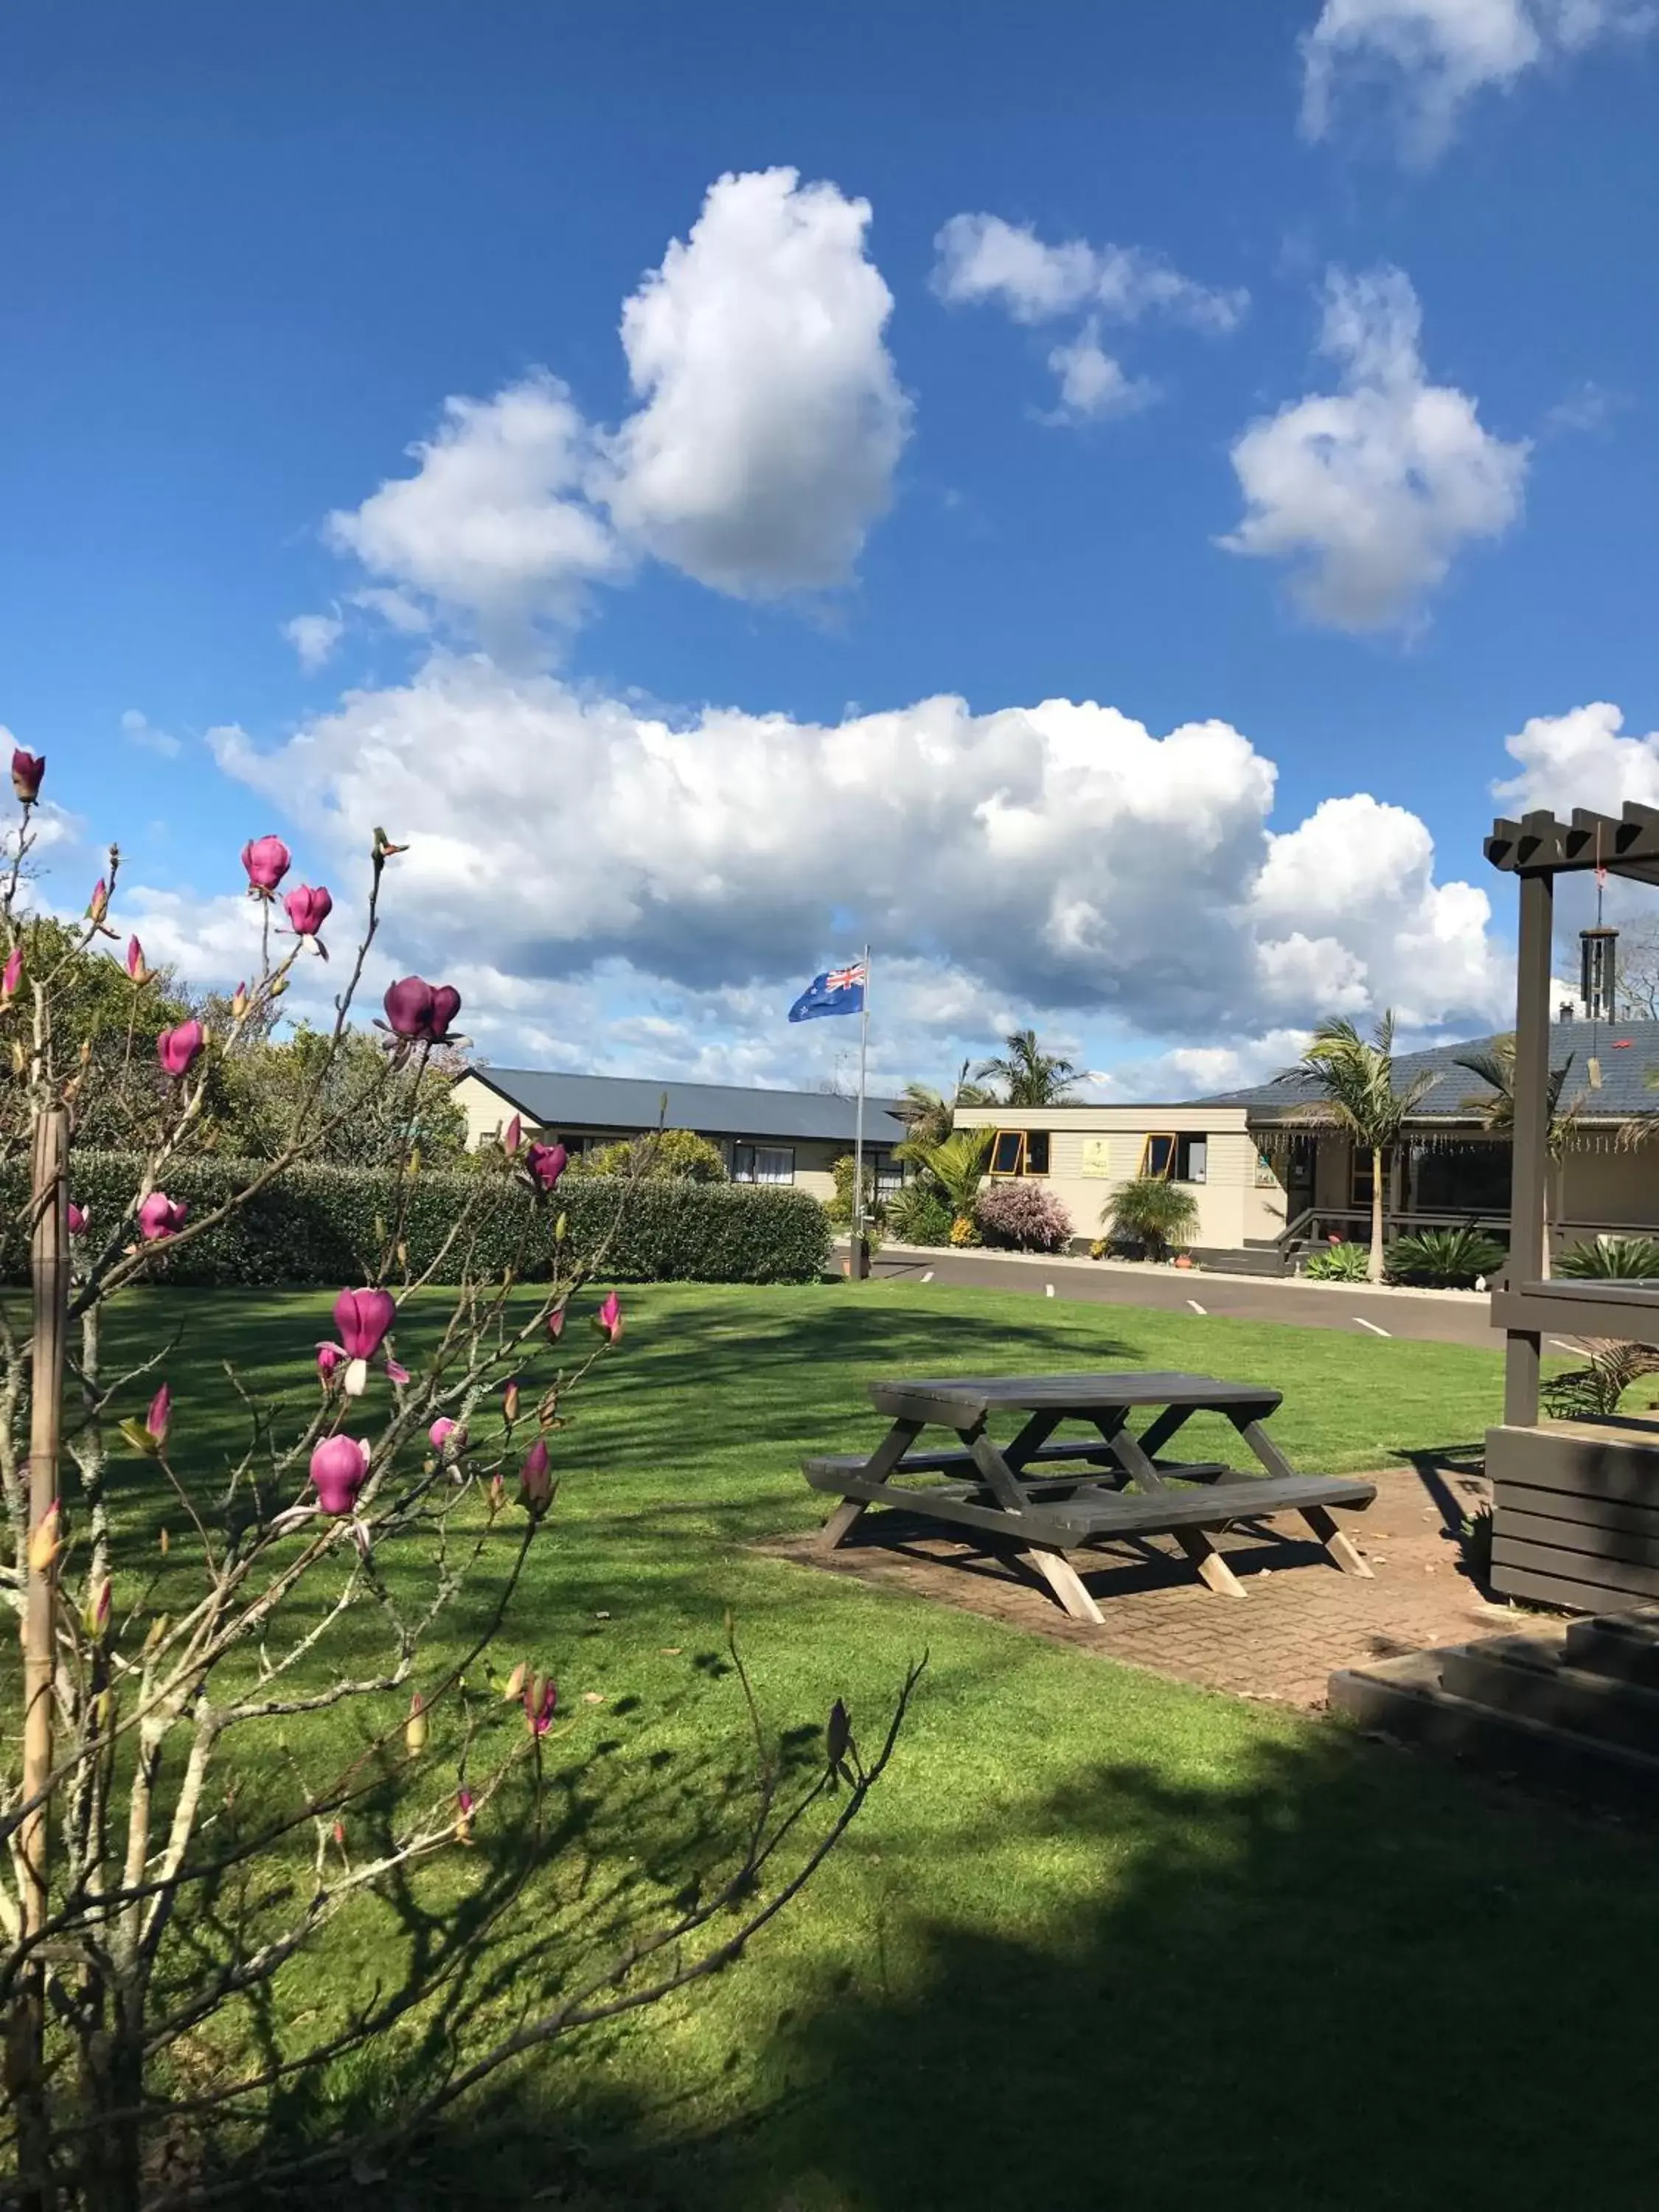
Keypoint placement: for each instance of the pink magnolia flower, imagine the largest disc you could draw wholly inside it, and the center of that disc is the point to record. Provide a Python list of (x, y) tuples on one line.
[(12, 974), (546, 1163), (27, 771), (307, 907), (608, 1319), (535, 1480), (330, 1357), (555, 1323), (339, 1469), (465, 1800), (441, 1433), (513, 1136), (266, 859), (421, 1010), (541, 1702), (395, 1371), (160, 1215), (78, 1218), (178, 1050), (160, 1416), (363, 1318), (135, 967)]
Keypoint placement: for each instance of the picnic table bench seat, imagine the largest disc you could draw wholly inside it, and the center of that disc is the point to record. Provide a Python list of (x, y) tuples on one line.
[(1119, 1485)]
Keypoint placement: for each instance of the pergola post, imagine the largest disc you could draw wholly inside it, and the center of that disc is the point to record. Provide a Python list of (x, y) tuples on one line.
[(1530, 1152)]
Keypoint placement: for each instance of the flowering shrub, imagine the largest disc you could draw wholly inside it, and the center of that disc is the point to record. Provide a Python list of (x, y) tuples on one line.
[(258, 1688), (1023, 1217)]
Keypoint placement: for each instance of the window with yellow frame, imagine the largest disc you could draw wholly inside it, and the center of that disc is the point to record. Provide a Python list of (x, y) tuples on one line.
[(1166, 1157), (1019, 1152)]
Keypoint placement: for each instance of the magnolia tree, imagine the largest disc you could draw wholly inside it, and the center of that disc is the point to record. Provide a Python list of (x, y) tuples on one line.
[(185, 1811)]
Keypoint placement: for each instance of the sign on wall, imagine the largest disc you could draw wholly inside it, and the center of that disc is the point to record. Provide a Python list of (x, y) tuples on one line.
[(1097, 1158)]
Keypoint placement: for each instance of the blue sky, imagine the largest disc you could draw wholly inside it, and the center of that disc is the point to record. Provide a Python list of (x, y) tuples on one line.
[(1274, 376)]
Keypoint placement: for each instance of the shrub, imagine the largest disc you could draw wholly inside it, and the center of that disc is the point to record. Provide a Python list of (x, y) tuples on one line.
[(663, 1155), (1450, 1258), (1631, 1259), (919, 1215), (841, 1205), (1150, 1216), (1583, 1392), (323, 1225), (1024, 1218), (1340, 1263)]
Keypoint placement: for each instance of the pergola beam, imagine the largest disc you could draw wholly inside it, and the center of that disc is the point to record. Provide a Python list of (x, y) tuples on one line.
[(1539, 844)]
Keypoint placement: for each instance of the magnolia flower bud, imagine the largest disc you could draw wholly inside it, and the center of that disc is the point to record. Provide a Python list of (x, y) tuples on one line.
[(11, 975), (159, 1418), (415, 1727), (608, 1321), (513, 1136), (266, 861), (135, 967), (307, 907), (239, 1002), (339, 1469), (515, 1680), (535, 1481), (46, 1541), (98, 904), (510, 1401), (161, 1217), (27, 771), (178, 1050)]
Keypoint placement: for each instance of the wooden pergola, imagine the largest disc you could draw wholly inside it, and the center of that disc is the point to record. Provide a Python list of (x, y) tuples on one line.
[(1576, 1504)]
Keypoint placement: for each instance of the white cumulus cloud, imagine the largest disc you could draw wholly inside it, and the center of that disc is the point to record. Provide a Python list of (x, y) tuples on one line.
[(1058, 858), (983, 260), (1435, 54), (313, 637), (763, 449), (1581, 758), (496, 521), (1370, 492), (1092, 384), (138, 730), (772, 417)]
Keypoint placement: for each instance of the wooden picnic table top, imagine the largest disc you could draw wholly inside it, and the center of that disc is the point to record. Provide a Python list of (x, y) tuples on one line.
[(1082, 1394)]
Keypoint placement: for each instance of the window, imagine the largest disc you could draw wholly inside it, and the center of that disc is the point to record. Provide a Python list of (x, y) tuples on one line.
[(1192, 1160), (1361, 1185), (762, 1164), (1157, 1157), (889, 1173), (1020, 1152), (1170, 1158)]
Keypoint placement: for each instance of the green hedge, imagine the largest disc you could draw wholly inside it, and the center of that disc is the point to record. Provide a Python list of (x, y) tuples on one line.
[(319, 1224)]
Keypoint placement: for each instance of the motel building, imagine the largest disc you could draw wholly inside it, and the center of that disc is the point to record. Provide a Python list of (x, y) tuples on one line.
[(785, 1138), (1269, 1187)]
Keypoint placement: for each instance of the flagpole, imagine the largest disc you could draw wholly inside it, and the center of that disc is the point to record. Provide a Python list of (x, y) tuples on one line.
[(854, 1265)]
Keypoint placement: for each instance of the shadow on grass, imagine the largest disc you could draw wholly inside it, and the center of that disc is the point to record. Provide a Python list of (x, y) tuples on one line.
[(1337, 1980)]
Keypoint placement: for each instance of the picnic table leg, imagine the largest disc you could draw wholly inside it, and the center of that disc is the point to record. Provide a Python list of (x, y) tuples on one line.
[(1068, 1585), (1319, 1519), (879, 1465), (841, 1523), (1340, 1546), (1198, 1544)]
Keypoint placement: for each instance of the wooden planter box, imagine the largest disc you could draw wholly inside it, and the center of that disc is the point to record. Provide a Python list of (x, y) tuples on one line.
[(1575, 1513)]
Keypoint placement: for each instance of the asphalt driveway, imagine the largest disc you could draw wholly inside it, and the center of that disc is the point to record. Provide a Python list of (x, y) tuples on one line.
[(1439, 1319)]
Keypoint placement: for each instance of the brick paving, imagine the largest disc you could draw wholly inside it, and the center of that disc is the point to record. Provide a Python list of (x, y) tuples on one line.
[(1303, 1617)]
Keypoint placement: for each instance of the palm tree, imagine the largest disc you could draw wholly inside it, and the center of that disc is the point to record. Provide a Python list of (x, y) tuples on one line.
[(1152, 1211), (929, 1116), (1031, 1077), (1362, 1100), (1495, 1065), (956, 1166)]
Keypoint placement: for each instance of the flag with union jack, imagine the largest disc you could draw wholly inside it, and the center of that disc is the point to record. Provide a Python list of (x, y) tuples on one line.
[(837, 991)]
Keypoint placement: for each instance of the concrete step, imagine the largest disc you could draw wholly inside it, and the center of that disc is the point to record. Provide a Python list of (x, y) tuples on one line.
[(1624, 1646), (1528, 1677), (1406, 1698)]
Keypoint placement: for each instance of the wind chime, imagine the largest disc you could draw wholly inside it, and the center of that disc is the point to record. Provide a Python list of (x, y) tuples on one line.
[(1598, 962)]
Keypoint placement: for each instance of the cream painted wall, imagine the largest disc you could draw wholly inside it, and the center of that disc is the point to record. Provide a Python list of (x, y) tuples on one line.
[(1093, 1149)]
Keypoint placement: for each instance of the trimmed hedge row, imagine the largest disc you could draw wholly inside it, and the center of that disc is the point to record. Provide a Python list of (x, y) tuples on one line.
[(319, 1224)]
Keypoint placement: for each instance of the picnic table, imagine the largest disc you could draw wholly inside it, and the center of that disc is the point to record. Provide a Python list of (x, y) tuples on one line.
[(1120, 1483)]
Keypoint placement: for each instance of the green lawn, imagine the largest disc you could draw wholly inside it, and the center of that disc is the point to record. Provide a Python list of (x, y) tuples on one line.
[(1100, 1940)]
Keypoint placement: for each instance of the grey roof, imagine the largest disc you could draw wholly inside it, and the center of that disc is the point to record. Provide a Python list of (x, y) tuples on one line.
[(551, 1099), (1626, 1051)]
